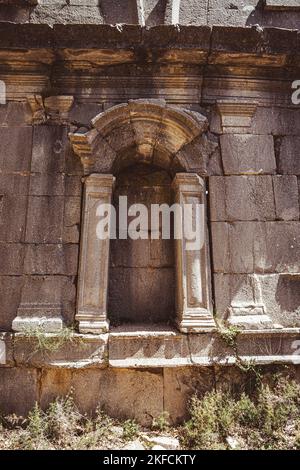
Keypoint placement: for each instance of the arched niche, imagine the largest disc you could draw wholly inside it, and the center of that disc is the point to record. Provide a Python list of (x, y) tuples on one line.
[(152, 135)]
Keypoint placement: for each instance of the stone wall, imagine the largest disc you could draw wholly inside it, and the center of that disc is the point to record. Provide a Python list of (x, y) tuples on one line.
[(273, 13), (255, 220), (123, 393), (58, 79), (40, 189)]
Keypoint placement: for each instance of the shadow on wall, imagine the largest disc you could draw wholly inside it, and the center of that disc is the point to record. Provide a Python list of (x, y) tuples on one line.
[(283, 17), (154, 12), (119, 12), (288, 293), (283, 14)]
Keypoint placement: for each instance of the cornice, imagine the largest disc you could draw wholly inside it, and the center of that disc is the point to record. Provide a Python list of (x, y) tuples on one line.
[(114, 64)]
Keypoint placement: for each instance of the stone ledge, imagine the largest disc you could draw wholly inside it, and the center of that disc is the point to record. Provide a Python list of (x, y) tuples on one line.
[(81, 352), (281, 5), (146, 349), (212, 40), (155, 349)]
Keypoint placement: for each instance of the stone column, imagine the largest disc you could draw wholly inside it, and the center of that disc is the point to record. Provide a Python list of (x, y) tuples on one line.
[(94, 258), (193, 296)]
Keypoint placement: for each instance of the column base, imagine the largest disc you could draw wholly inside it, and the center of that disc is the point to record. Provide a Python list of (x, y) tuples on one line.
[(197, 325), (93, 326), (250, 318)]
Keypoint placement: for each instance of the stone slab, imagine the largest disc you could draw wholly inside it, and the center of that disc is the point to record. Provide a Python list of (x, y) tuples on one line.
[(234, 198), (248, 154), (148, 349), (262, 247), (77, 352), (18, 390), (289, 155), (286, 193)]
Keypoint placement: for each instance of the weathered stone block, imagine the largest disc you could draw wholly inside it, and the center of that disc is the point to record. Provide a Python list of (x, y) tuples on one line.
[(281, 296), (51, 259), (133, 299), (12, 257), (148, 347), (276, 121), (48, 297), (14, 184), (15, 152), (235, 198), (286, 194), (72, 217), (45, 219), (10, 295), (289, 156), (282, 4), (238, 295), (233, 246), (77, 351), (142, 253), (73, 185), (83, 113), (13, 218), (18, 390), (208, 349), (248, 154), (55, 383), (245, 247), (69, 14), (277, 247), (180, 385), (121, 393), (222, 12), (214, 164), (48, 149), (59, 382), (139, 391), (46, 185), (14, 113)]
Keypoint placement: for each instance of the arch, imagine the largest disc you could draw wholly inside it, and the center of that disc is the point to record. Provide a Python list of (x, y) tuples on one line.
[(145, 131), (162, 136)]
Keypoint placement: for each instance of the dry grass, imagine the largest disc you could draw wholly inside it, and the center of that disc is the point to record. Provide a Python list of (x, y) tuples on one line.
[(268, 419)]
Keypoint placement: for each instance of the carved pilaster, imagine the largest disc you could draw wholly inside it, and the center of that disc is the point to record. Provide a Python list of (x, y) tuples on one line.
[(193, 302), (94, 258)]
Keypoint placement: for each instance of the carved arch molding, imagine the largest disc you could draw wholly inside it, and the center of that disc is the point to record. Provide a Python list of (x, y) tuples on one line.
[(149, 132)]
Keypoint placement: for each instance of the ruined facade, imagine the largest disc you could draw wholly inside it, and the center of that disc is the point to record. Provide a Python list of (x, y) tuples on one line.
[(163, 101)]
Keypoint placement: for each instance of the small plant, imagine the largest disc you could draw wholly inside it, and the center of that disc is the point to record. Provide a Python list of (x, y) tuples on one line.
[(229, 335), (270, 419), (250, 368), (51, 342), (130, 429), (161, 422)]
